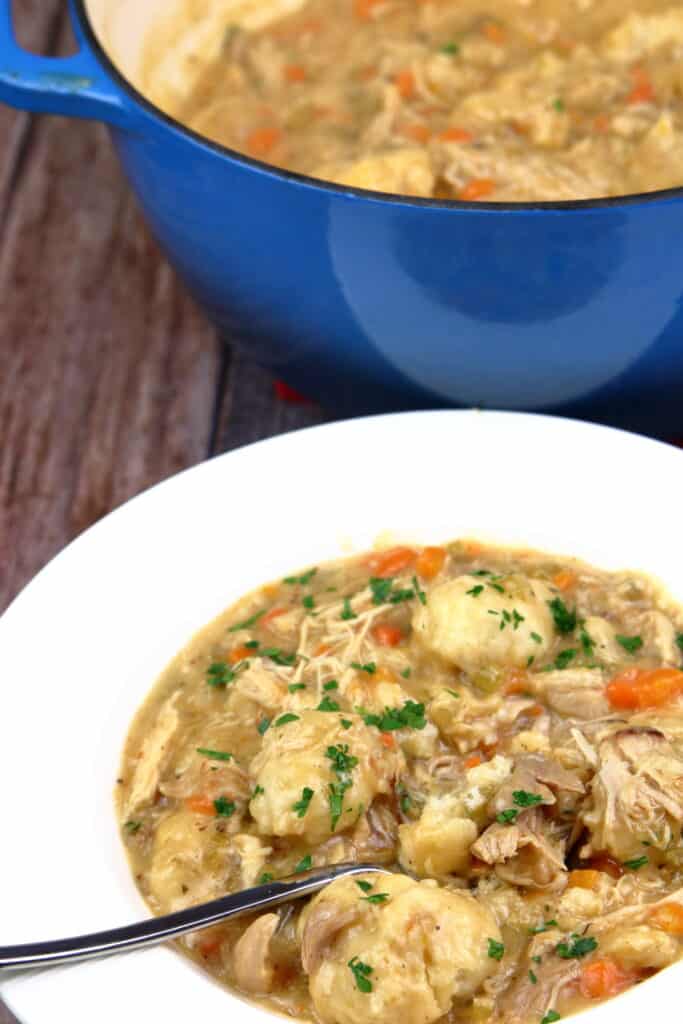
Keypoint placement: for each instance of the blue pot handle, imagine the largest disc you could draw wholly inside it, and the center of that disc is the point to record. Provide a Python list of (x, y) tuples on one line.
[(75, 86)]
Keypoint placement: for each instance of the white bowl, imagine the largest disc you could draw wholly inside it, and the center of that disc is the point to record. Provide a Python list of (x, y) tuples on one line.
[(82, 645)]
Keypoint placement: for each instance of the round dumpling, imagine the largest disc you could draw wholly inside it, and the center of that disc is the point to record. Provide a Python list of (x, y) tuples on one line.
[(407, 955), (317, 773), (477, 621)]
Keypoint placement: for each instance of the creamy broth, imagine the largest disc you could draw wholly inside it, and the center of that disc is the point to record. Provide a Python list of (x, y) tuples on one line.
[(518, 100), (505, 726)]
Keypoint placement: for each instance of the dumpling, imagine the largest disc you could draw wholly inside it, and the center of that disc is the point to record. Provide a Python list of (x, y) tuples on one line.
[(314, 776), (404, 171), (407, 957), (475, 622)]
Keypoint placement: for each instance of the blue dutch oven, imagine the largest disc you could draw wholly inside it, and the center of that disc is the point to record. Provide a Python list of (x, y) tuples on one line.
[(369, 302)]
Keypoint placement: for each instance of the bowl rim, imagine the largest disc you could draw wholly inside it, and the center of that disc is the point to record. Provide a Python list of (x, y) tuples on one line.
[(317, 184)]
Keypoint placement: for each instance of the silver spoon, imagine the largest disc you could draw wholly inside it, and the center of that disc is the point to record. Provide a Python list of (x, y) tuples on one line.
[(171, 926)]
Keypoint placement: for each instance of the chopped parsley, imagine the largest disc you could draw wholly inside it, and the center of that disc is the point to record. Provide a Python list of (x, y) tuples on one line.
[(265, 878), (370, 667), (536, 638), (252, 644), (285, 719), (516, 618), (215, 755), (224, 808), (335, 799), (301, 806), (530, 660), (532, 978), (383, 591), (377, 897), (679, 641), (498, 587), (565, 657), (302, 580), (587, 643), (453, 693), (405, 674), (341, 760), (343, 764), (558, 104), (636, 863), (577, 948), (361, 973), (475, 591), (327, 704), (331, 685), (507, 817), (347, 611), (410, 716), (565, 621), (550, 1017), (263, 726), (308, 602), (248, 623), (279, 656), (258, 791), (496, 949), (543, 927), (346, 723), (419, 593), (363, 886), (452, 49), (304, 864), (132, 827), (293, 687), (525, 799), (221, 674), (630, 643)]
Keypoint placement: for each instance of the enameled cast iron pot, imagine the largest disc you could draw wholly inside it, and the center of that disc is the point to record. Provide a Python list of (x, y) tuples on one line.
[(367, 301)]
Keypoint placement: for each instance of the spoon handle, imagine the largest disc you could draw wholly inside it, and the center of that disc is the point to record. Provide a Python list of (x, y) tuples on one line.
[(171, 926)]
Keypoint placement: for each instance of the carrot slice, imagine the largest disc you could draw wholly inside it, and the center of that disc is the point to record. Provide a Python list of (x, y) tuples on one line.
[(387, 636), (603, 978), (389, 563), (493, 32), (643, 90), (473, 760), (239, 654), (272, 614), (668, 917), (639, 689), (295, 73), (261, 141), (387, 740), (565, 579), (405, 83), (455, 135), (584, 878), (430, 562), (477, 188), (364, 9), (200, 805)]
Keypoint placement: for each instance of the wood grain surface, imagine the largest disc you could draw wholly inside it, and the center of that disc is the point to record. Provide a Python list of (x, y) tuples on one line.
[(110, 378)]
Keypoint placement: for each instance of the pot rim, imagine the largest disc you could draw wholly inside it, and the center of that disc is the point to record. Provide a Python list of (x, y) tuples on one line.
[(382, 198)]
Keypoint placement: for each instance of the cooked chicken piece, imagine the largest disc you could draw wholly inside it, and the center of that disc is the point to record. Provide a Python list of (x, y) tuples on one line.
[(251, 960), (659, 634), (528, 1000), (255, 692), (468, 722), (471, 623), (602, 633), (152, 757), (536, 775), (636, 795), (252, 855), (422, 949), (525, 852), (208, 778), (575, 692)]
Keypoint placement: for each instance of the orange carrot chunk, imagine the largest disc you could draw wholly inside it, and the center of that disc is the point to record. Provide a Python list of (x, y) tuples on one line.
[(473, 761), (565, 579), (603, 978), (637, 689), (389, 563), (477, 188), (295, 73), (261, 141), (493, 32), (387, 740), (455, 135), (239, 654), (584, 878), (643, 90), (405, 83), (387, 636), (430, 562), (668, 917), (200, 805), (272, 614)]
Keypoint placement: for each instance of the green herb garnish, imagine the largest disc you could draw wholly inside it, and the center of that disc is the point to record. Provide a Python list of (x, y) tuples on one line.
[(301, 806), (302, 580), (550, 1017), (507, 817), (224, 808), (452, 49), (587, 644), (363, 886), (475, 591), (215, 755), (558, 104), (543, 927), (293, 687), (347, 611), (327, 704), (377, 897), (525, 799), (636, 863), (361, 972), (263, 726), (132, 827), (630, 643), (285, 719), (258, 790), (308, 602), (565, 621), (265, 878), (577, 948), (304, 864), (565, 657), (496, 949), (248, 623), (279, 656), (532, 978), (410, 716), (221, 674), (331, 685), (370, 667)]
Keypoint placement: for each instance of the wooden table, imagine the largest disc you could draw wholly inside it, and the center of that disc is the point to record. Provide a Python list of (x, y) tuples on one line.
[(110, 377)]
